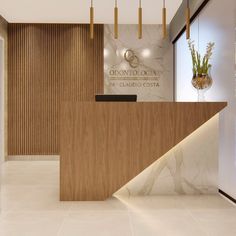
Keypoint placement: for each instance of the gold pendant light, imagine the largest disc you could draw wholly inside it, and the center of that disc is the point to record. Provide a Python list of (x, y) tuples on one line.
[(116, 20), (188, 21), (91, 20), (164, 27), (140, 23)]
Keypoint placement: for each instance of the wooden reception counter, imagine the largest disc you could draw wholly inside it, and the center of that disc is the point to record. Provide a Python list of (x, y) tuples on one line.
[(105, 145)]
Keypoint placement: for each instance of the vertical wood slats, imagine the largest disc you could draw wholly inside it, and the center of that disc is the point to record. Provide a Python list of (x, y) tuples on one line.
[(47, 64)]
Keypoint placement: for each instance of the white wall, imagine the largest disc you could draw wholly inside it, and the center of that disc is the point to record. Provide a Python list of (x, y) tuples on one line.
[(2, 143), (1, 101), (215, 23)]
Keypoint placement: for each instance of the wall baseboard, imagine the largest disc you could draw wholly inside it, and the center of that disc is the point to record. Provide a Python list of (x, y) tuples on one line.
[(227, 196), (33, 158)]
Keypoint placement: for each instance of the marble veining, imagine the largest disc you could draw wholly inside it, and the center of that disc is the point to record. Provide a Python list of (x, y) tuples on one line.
[(191, 167), (151, 78)]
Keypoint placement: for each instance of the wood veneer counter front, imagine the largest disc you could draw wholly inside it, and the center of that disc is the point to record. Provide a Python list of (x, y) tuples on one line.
[(105, 145)]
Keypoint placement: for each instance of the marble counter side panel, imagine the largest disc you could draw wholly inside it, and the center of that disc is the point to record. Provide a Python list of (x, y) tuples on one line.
[(189, 168)]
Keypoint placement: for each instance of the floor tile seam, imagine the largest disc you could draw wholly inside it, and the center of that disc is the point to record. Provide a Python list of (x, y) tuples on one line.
[(131, 224), (101, 210), (198, 222), (63, 223)]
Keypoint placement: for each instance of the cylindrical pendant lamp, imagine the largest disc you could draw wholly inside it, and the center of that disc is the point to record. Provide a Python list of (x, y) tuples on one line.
[(188, 21), (164, 27), (116, 20), (91, 20), (140, 21)]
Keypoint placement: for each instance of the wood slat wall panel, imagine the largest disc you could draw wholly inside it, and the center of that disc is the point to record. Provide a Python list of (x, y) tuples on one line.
[(47, 64)]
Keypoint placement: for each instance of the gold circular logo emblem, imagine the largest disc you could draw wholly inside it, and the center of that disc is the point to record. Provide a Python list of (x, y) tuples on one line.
[(131, 58)]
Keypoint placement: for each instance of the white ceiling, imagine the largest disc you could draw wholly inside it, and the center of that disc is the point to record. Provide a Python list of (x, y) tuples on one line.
[(77, 11)]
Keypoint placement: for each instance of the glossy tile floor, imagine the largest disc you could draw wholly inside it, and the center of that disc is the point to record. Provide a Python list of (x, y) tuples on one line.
[(30, 206)]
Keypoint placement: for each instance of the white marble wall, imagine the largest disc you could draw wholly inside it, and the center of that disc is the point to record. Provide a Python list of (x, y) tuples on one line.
[(155, 57), (189, 168)]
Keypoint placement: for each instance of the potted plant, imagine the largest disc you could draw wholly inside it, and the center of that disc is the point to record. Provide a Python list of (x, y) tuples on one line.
[(201, 80)]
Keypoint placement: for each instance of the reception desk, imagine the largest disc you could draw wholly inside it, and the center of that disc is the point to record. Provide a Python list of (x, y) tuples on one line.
[(105, 145)]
